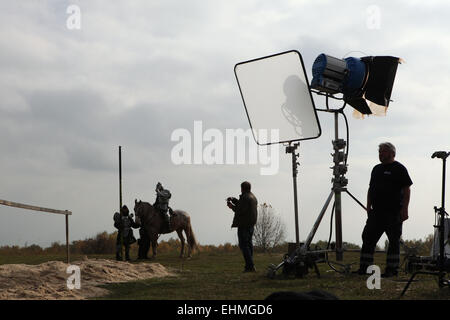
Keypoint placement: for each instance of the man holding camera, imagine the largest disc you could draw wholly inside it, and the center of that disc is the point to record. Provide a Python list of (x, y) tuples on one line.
[(387, 208), (245, 216)]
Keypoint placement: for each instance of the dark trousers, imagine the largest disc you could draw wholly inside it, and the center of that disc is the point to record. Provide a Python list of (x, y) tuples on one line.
[(245, 236), (376, 225), (119, 247), (144, 244)]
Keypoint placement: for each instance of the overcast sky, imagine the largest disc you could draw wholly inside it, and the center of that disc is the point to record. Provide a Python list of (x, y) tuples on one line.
[(136, 71)]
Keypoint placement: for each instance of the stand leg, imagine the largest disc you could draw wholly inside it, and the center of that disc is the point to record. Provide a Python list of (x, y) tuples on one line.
[(409, 282), (414, 275), (319, 218)]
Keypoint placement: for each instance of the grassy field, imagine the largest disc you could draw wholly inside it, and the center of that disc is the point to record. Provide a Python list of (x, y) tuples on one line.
[(218, 275)]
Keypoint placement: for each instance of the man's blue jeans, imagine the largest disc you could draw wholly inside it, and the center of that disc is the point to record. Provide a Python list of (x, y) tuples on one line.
[(245, 236)]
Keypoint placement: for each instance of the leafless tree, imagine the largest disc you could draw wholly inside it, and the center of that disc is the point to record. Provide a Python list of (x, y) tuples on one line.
[(270, 230)]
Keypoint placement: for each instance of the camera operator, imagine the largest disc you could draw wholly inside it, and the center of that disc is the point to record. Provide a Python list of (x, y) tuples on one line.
[(245, 216), (387, 208)]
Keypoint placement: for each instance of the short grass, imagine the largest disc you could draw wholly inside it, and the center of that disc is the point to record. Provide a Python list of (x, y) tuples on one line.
[(218, 276)]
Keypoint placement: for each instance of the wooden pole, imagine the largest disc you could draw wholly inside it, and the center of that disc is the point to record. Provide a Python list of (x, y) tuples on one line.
[(120, 197), (67, 239), (120, 178)]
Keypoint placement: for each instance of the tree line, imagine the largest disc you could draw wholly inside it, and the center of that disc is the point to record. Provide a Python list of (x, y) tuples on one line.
[(269, 236)]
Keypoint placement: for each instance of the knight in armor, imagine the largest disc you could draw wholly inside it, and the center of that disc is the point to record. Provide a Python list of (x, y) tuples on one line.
[(124, 223), (162, 204)]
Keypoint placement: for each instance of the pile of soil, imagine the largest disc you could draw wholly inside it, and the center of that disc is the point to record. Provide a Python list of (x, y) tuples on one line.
[(48, 281)]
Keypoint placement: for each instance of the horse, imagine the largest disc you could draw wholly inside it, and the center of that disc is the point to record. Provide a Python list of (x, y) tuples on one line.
[(150, 218)]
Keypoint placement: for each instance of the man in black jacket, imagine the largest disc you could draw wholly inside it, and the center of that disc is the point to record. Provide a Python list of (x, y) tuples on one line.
[(245, 216), (387, 208)]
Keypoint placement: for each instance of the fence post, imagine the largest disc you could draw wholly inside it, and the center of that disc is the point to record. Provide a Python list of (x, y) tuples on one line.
[(67, 239)]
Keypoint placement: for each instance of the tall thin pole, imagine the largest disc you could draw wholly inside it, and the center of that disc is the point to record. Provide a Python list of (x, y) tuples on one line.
[(120, 197), (120, 178), (442, 223), (291, 149), (294, 179), (443, 182)]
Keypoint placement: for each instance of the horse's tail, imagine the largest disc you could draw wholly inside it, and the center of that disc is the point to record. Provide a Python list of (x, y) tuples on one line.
[(192, 241)]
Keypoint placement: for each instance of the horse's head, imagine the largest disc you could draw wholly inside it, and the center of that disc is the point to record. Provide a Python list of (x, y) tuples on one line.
[(138, 212)]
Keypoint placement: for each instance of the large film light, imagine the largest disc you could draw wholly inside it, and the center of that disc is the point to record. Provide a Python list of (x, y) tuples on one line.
[(366, 82)]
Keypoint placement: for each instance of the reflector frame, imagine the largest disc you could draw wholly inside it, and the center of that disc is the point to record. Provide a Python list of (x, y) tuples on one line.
[(276, 95)]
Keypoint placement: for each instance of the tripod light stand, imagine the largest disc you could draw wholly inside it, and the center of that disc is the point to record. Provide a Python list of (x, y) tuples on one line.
[(302, 257), (440, 227), (339, 183)]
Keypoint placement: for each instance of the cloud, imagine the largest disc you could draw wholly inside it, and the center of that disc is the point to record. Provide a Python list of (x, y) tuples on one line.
[(138, 70)]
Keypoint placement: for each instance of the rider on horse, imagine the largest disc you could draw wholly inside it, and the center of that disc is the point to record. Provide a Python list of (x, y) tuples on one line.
[(162, 204)]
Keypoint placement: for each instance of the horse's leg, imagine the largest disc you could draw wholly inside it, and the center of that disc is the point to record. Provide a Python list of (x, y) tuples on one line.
[(156, 246), (186, 231), (154, 241), (180, 235)]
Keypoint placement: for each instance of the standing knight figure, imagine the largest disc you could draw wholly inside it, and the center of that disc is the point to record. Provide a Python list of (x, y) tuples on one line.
[(124, 223), (162, 204)]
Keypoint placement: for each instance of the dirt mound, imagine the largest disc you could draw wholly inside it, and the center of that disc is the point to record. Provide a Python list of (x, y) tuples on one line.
[(48, 281)]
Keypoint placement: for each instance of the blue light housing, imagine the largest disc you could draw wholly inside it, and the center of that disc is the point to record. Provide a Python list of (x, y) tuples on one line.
[(358, 79), (328, 74), (356, 74)]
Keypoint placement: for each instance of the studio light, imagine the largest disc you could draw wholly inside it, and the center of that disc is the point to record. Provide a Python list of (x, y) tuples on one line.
[(366, 83)]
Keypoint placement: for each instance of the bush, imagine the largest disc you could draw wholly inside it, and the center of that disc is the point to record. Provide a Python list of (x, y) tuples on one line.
[(270, 230)]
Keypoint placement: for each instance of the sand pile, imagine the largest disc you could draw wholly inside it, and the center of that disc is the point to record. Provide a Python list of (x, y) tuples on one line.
[(49, 280)]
